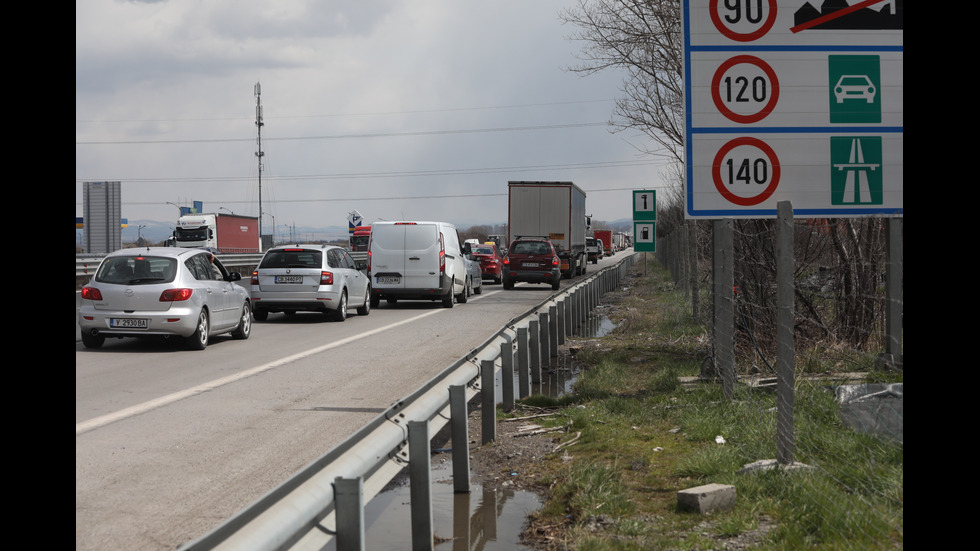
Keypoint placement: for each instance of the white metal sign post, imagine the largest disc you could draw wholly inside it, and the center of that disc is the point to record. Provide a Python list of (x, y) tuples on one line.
[(793, 100)]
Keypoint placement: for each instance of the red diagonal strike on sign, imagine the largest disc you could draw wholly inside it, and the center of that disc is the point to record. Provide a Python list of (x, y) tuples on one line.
[(834, 15)]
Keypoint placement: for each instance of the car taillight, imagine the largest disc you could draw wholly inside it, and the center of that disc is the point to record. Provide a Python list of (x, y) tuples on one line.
[(255, 278), (176, 295), (369, 261), (506, 260), (326, 278), (442, 255), (91, 293), (555, 261)]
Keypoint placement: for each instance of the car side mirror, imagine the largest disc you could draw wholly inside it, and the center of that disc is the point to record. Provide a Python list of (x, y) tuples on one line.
[(361, 265), (234, 276)]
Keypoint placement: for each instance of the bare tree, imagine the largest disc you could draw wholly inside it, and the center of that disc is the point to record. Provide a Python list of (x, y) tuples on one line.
[(642, 37)]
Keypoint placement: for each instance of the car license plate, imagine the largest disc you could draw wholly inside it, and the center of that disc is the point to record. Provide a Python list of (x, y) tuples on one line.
[(129, 323), (389, 280), (289, 279), (531, 264)]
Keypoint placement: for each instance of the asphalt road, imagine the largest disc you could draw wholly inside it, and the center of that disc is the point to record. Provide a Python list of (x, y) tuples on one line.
[(169, 442)]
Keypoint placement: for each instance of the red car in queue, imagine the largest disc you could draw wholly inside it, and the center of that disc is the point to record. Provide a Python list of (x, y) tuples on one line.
[(532, 260), (491, 263)]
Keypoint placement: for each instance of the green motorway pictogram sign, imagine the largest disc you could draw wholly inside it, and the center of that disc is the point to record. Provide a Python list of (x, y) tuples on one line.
[(856, 174)]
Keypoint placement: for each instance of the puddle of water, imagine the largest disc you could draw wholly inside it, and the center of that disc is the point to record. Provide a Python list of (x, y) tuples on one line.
[(481, 520)]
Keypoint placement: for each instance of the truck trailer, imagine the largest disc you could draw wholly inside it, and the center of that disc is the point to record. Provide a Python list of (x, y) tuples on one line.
[(554, 210), (605, 237), (221, 233)]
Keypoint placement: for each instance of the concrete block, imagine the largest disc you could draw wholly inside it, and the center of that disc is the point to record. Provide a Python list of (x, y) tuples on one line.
[(707, 498)]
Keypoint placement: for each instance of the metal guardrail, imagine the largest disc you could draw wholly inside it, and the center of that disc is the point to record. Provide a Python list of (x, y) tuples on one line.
[(325, 500), (86, 264)]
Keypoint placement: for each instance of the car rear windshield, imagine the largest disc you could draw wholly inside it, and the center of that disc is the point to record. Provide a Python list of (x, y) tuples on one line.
[(483, 250), (530, 247), (134, 270), (292, 258)]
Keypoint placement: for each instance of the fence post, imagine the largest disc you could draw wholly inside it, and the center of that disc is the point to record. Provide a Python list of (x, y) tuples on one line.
[(561, 319), (545, 338), (349, 498), (553, 332), (507, 373), (523, 383), (420, 475), (724, 312), (893, 291), (534, 350), (488, 409), (785, 322), (459, 416)]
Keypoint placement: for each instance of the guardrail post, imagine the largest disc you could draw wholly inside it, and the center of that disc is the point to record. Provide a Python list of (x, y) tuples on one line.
[(458, 417), (420, 475), (545, 338), (349, 498), (553, 333), (507, 373), (561, 320), (534, 350), (488, 411), (523, 384)]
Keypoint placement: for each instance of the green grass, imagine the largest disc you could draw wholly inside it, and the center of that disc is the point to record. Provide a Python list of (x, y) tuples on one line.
[(644, 437)]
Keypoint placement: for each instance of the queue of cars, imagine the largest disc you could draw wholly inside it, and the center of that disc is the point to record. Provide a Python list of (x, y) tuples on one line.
[(188, 294)]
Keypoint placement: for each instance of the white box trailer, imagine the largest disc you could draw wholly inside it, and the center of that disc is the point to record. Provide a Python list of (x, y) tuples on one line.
[(555, 210)]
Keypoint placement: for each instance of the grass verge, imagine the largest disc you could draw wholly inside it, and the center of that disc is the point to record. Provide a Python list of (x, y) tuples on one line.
[(645, 436)]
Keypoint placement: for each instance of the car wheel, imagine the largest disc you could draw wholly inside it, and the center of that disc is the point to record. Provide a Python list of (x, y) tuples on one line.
[(479, 288), (92, 341), (467, 291), (341, 313), (508, 284), (260, 315), (199, 340), (449, 300), (244, 328), (496, 280), (375, 301), (368, 303)]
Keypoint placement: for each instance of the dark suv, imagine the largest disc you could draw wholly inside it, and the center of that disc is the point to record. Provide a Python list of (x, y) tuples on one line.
[(532, 259)]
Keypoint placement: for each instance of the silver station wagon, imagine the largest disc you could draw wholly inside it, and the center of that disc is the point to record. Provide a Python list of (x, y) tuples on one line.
[(309, 278), (163, 291)]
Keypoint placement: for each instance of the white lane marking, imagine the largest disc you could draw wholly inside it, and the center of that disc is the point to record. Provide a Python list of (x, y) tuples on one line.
[(103, 420)]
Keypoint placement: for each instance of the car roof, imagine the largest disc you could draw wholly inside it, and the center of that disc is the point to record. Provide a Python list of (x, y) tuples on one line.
[(304, 246), (156, 251)]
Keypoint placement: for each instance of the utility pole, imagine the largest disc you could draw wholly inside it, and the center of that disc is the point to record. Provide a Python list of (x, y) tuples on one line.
[(259, 153)]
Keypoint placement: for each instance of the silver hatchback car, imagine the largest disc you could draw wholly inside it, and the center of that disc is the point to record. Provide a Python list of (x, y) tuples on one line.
[(163, 291), (310, 278)]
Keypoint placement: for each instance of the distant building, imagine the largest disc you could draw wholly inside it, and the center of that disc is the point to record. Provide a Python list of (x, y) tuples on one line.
[(102, 204)]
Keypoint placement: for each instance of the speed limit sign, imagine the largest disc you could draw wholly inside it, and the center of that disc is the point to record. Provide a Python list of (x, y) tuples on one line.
[(746, 171), (787, 100)]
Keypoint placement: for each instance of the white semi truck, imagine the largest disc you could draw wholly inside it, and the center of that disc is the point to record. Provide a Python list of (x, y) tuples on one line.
[(554, 210)]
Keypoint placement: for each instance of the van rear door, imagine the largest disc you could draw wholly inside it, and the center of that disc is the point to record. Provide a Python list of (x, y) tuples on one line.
[(423, 255), (405, 256)]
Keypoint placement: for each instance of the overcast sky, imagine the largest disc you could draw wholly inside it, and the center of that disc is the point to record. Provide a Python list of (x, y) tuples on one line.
[(419, 109)]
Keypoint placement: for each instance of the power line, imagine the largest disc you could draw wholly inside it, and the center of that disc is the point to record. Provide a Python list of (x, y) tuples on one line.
[(336, 115), (355, 136), (396, 174)]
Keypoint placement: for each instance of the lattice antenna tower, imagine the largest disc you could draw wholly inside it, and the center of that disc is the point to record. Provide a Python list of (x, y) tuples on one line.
[(259, 153)]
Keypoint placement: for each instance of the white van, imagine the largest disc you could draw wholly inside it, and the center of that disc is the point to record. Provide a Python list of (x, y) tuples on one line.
[(416, 261)]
